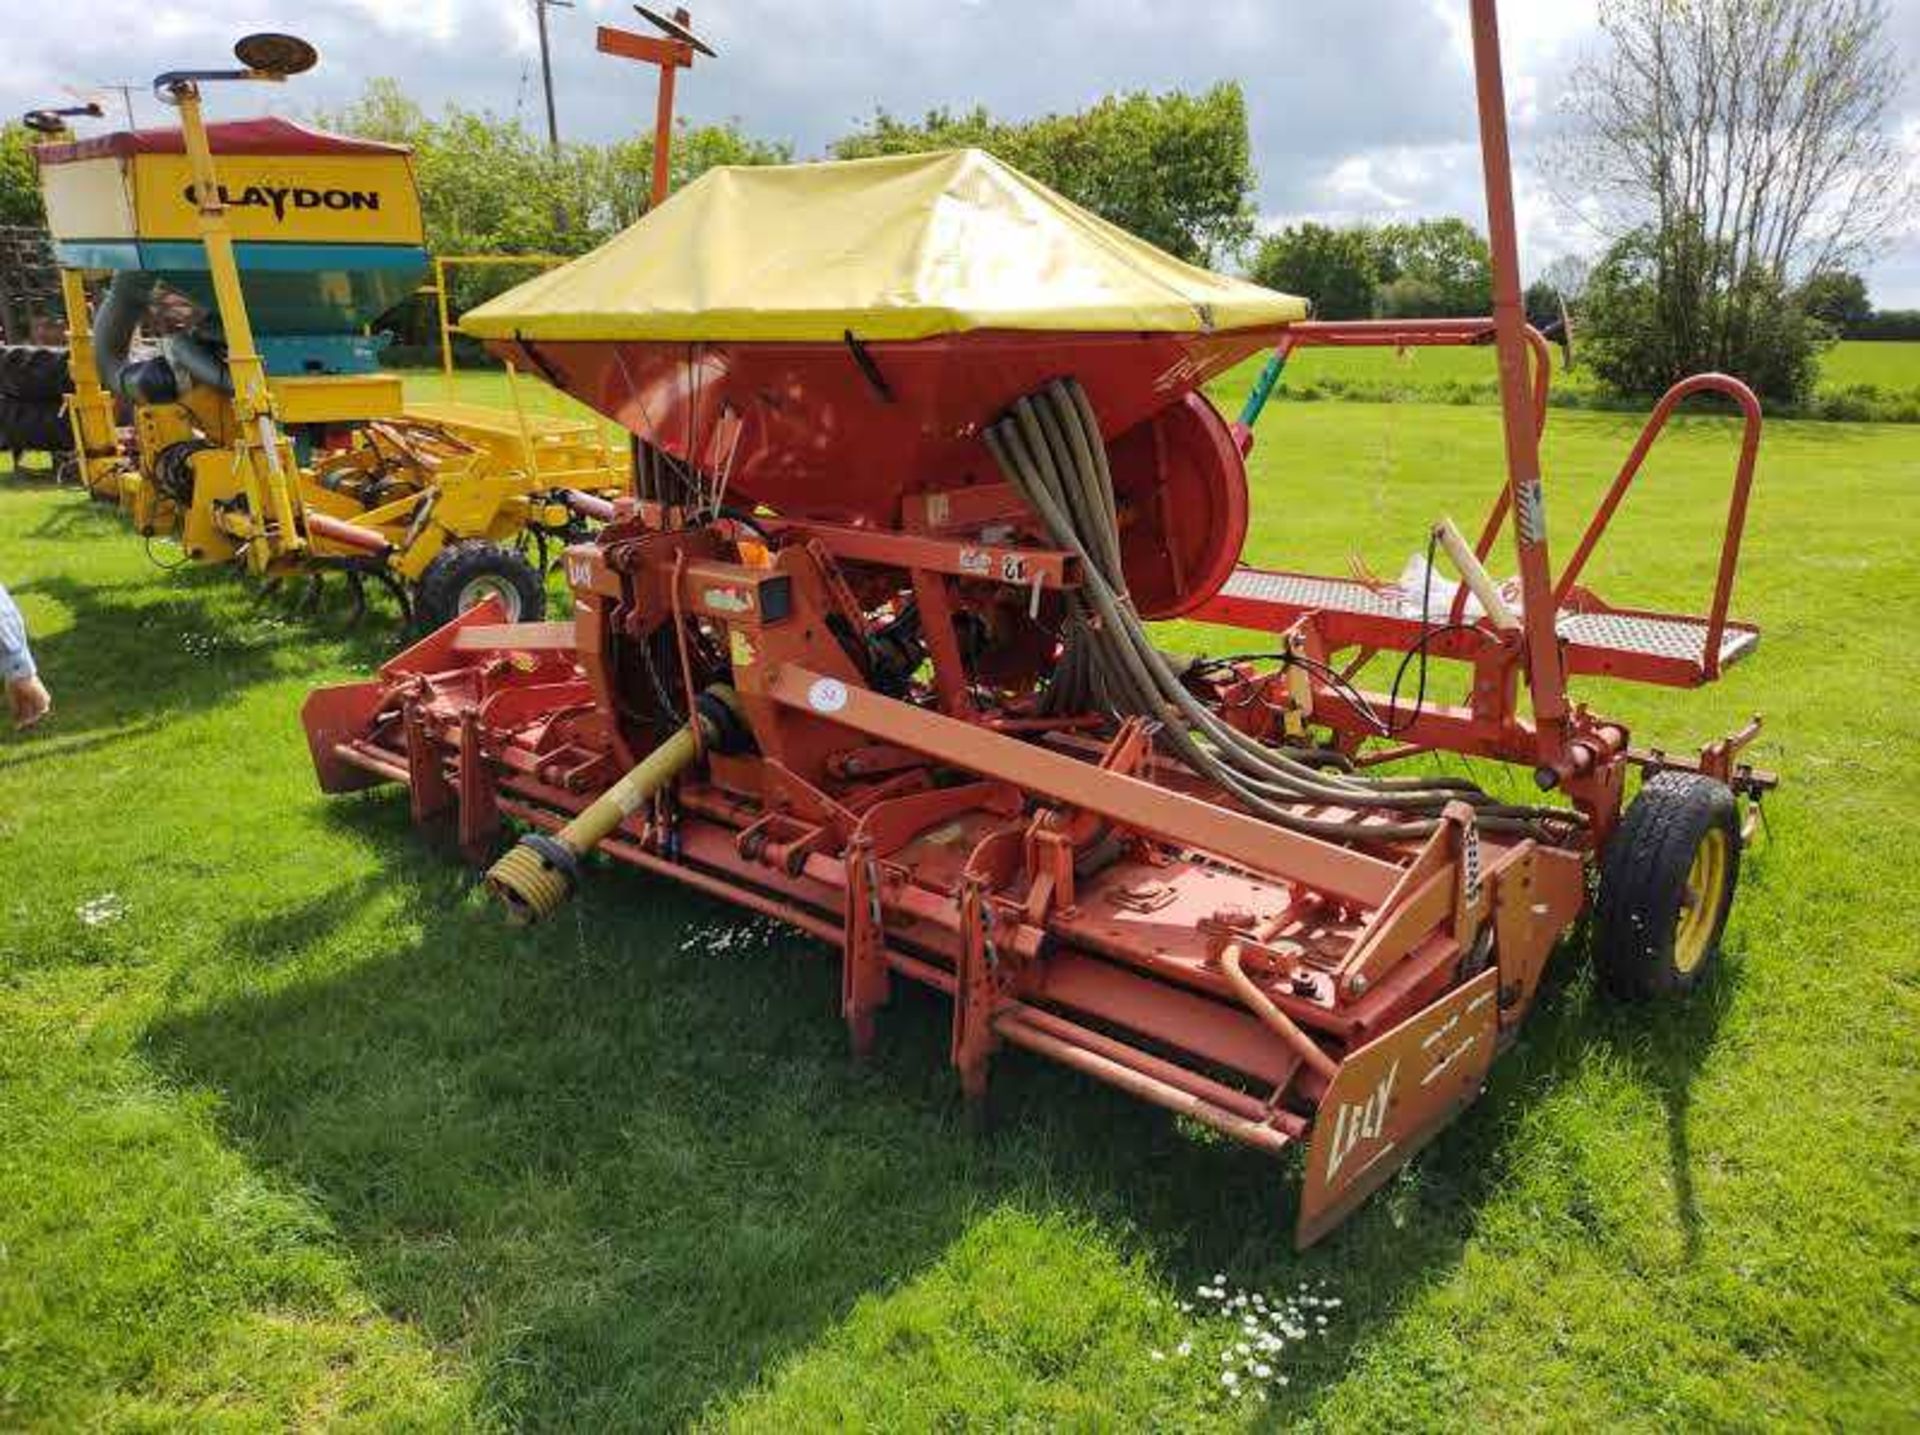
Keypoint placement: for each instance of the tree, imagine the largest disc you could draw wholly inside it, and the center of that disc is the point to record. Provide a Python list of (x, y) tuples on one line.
[(1175, 169), (1633, 344), (384, 112), (938, 129), (1541, 303), (487, 185), (1332, 267), (1890, 324), (1432, 267), (696, 149), (491, 186), (1568, 274), (1736, 144), (1411, 297), (19, 178), (1838, 299)]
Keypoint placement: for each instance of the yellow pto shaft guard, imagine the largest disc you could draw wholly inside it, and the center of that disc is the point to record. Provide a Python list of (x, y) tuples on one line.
[(540, 872)]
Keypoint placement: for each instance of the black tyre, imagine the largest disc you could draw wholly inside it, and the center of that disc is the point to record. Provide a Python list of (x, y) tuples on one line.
[(463, 573), (34, 373), (33, 427), (1666, 886)]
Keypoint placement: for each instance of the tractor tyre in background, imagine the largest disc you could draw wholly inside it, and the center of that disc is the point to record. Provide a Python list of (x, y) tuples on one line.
[(464, 573), (33, 426), (1666, 886), (34, 372)]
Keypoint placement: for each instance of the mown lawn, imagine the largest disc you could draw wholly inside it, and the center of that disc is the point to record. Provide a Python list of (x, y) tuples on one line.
[(1449, 375), (293, 1132), (1857, 379), (1890, 363)]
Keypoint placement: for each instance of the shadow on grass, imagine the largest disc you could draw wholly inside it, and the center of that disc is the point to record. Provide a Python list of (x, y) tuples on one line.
[(1662, 1043), (30, 470), (83, 518), (134, 652), (623, 1163), (20, 749), (128, 655)]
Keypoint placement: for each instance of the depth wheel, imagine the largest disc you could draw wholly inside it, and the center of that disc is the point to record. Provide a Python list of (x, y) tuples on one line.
[(465, 573), (1666, 886)]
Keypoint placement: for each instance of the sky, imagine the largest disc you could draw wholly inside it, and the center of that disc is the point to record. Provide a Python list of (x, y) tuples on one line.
[(1359, 109)]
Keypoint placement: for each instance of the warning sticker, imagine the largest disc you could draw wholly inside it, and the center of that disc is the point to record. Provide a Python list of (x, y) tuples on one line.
[(1530, 510)]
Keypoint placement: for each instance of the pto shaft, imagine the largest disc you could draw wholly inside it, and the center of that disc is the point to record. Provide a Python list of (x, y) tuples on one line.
[(540, 872)]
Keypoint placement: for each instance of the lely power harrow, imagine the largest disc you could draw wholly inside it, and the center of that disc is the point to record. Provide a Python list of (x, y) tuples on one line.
[(870, 654)]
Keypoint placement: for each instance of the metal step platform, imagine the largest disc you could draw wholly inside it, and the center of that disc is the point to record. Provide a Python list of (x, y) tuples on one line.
[(1664, 648)]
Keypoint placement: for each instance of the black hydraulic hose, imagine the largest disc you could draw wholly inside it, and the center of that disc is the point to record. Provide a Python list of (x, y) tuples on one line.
[(1050, 449), (114, 322), (1276, 773), (1137, 688), (1272, 772), (199, 363), (1153, 682), (147, 381), (1087, 497)]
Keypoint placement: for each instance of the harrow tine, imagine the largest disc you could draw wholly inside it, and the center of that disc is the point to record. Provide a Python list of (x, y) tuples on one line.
[(309, 600), (399, 591), (357, 598)]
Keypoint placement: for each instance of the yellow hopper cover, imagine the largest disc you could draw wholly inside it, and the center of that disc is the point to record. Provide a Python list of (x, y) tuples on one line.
[(900, 247)]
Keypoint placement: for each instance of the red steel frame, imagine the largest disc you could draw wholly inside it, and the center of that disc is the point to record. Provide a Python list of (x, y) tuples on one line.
[(1571, 750), (668, 53), (1280, 988)]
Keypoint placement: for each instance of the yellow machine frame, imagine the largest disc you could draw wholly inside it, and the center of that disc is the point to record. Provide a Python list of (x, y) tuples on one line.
[(477, 472), (565, 452)]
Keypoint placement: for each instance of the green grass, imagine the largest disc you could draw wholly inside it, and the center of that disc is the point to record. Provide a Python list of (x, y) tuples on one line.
[(1858, 380), (1892, 364), (294, 1133), (492, 386)]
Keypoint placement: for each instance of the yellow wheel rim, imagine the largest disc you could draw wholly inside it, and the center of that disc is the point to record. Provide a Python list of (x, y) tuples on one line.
[(1702, 901)]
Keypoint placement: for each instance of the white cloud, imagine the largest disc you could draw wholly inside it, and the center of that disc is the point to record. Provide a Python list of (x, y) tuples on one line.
[(436, 20), (1355, 187), (1364, 108)]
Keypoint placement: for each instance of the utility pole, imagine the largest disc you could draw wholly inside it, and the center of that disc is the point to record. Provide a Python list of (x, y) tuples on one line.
[(540, 8), (126, 99)]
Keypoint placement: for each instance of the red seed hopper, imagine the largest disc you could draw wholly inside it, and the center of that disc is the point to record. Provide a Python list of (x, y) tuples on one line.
[(845, 332), (921, 451)]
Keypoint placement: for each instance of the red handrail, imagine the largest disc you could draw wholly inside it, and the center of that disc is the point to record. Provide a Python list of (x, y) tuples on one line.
[(1736, 507), (1422, 334), (1426, 333)]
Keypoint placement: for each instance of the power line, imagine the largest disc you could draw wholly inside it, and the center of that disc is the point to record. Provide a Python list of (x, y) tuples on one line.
[(124, 88)]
